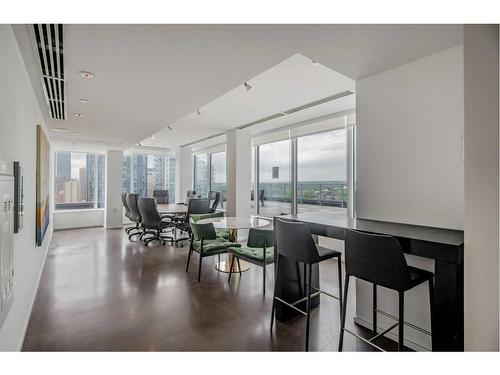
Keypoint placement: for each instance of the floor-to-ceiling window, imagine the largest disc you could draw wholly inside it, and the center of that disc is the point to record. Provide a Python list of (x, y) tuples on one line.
[(274, 195), (218, 174), (79, 180), (143, 173), (201, 174), (316, 158), (322, 173)]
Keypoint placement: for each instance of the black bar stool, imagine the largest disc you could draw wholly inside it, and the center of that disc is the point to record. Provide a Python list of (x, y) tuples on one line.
[(379, 259), (295, 242)]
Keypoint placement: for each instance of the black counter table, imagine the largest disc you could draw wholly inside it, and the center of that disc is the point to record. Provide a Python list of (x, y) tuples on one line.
[(444, 246)]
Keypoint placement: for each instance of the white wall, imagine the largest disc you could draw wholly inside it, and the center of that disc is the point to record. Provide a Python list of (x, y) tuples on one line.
[(410, 124), (114, 181), (183, 173), (72, 219), (409, 146), (238, 171), (19, 115), (481, 248)]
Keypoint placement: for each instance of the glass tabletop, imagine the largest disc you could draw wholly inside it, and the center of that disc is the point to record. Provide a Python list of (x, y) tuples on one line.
[(233, 222)]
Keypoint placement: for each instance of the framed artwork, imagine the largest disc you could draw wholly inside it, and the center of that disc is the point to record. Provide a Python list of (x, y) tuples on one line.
[(18, 197), (42, 184)]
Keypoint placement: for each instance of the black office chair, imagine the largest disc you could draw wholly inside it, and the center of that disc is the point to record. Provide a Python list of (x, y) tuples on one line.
[(161, 196), (135, 215), (189, 195), (214, 197), (127, 214), (195, 206), (295, 242), (379, 259), (152, 221)]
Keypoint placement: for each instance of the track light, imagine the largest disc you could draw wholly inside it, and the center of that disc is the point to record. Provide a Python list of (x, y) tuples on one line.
[(198, 112), (247, 86), (170, 127)]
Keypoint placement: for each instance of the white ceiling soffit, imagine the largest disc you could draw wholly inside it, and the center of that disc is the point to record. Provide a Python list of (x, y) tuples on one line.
[(293, 90), (150, 76)]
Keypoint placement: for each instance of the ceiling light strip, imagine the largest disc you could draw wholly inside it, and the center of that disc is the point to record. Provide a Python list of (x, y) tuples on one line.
[(318, 102), (268, 118), (53, 84), (203, 139)]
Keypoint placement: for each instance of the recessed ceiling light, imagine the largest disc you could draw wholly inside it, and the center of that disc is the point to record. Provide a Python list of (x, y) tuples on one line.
[(79, 115), (59, 130), (247, 86), (87, 75), (314, 62), (83, 101)]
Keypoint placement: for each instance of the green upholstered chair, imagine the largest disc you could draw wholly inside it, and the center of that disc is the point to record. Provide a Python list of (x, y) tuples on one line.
[(205, 242), (259, 251), (222, 233)]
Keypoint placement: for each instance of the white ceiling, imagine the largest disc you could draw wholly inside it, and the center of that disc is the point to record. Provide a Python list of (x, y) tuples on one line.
[(150, 76), (289, 84)]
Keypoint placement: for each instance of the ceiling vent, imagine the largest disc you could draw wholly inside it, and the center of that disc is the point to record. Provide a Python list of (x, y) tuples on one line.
[(298, 109), (49, 43)]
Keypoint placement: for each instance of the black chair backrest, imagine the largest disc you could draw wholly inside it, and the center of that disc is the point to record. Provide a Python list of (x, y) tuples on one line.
[(294, 241), (135, 215), (198, 206), (149, 213), (190, 195), (124, 202), (214, 197), (378, 259), (161, 196)]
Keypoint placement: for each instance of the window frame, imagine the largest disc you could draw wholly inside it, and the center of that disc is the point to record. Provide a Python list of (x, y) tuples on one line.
[(96, 179)]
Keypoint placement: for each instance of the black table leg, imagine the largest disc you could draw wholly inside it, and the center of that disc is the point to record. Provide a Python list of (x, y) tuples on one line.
[(448, 319)]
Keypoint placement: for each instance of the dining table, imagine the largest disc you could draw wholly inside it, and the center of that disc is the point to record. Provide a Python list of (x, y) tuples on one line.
[(174, 209), (233, 224)]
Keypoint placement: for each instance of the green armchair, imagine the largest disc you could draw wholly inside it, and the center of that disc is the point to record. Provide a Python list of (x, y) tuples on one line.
[(205, 242), (222, 233), (259, 251)]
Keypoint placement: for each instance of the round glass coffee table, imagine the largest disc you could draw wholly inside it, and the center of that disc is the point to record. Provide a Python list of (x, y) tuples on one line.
[(233, 223)]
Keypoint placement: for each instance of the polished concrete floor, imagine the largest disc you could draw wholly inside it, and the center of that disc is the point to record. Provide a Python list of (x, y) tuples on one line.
[(100, 292)]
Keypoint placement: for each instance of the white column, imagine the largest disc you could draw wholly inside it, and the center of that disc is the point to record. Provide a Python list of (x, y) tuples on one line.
[(238, 172), (481, 258), (113, 217), (183, 173)]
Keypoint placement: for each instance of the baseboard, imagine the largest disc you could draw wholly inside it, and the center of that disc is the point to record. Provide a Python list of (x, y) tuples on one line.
[(27, 321), (408, 343), (79, 227)]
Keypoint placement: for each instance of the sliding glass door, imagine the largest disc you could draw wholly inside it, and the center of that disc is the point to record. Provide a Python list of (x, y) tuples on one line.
[(201, 174), (218, 175), (274, 195), (322, 173)]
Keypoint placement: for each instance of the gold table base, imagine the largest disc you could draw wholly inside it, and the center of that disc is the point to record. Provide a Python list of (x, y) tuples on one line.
[(225, 265)]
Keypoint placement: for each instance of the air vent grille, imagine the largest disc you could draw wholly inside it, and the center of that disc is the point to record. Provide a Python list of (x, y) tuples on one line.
[(50, 47)]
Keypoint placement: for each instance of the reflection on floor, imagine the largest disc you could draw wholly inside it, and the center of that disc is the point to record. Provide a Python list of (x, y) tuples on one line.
[(100, 292)]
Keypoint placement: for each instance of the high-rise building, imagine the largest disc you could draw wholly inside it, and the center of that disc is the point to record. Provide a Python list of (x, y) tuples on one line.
[(83, 182), (127, 174), (63, 169), (72, 191), (171, 178), (101, 178), (140, 171)]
